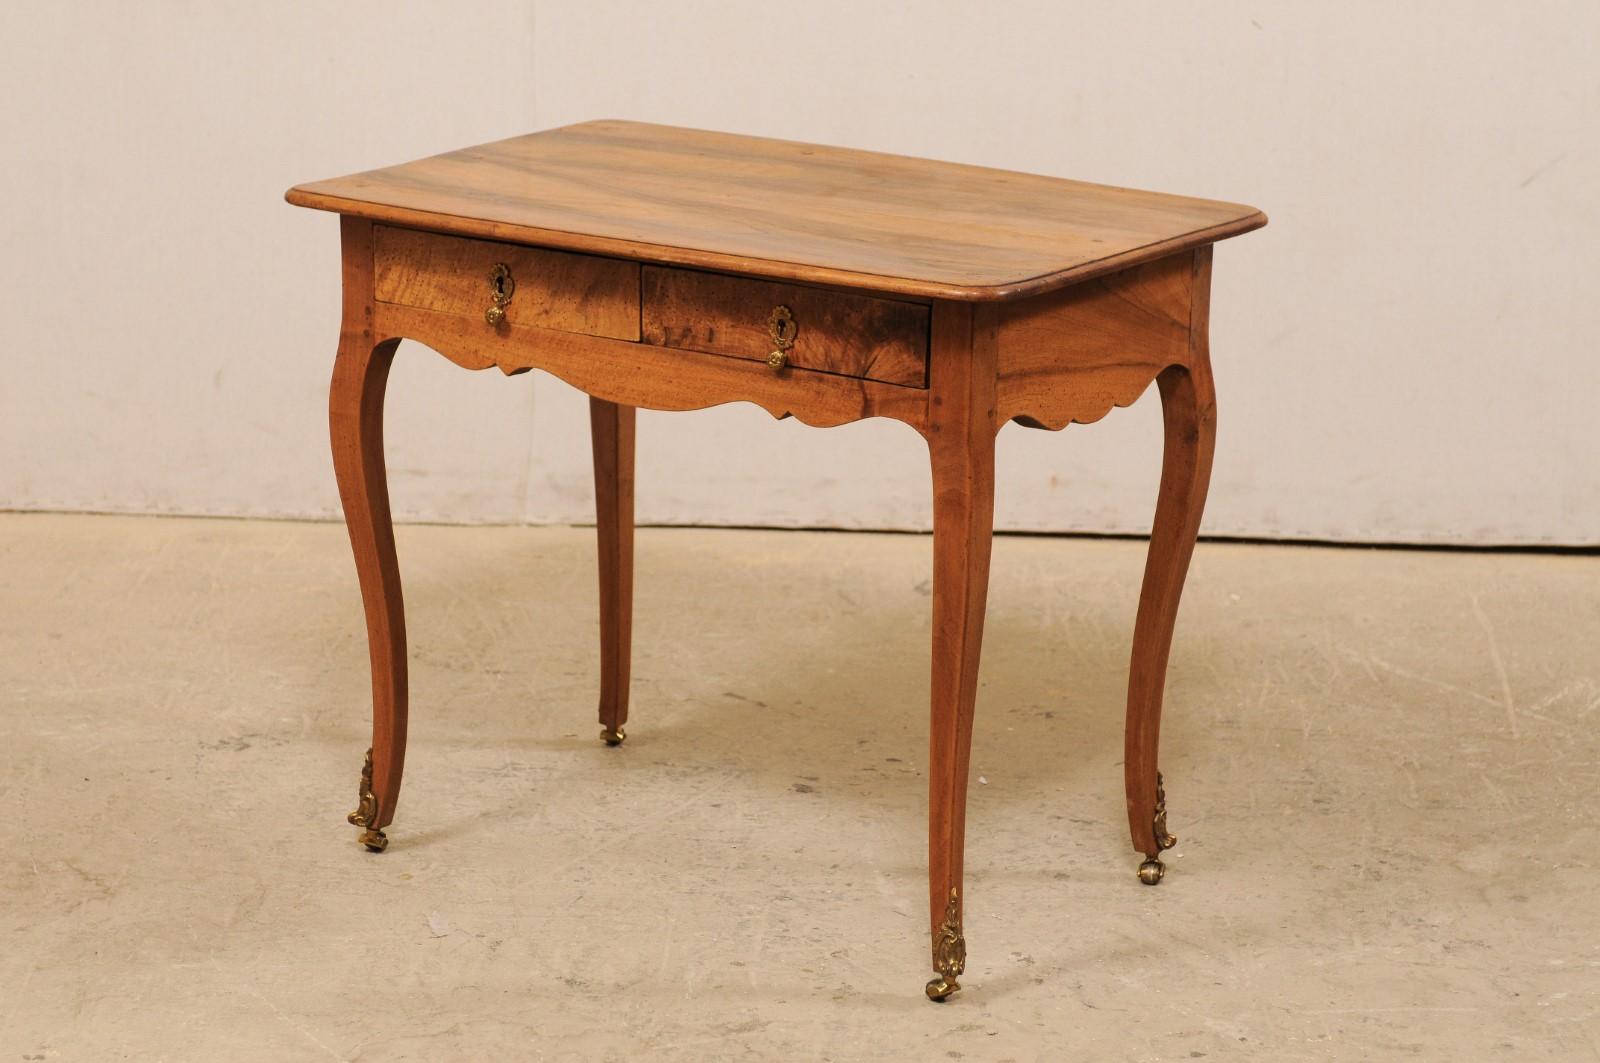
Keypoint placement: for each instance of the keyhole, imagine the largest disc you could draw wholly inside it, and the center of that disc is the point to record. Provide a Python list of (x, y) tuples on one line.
[(501, 284)]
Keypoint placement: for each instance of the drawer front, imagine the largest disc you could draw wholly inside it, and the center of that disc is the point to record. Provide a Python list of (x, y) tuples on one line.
[(547, 289), (834, 332)]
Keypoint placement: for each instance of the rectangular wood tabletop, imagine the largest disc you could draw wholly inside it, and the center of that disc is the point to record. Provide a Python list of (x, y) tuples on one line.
[(786, 210)]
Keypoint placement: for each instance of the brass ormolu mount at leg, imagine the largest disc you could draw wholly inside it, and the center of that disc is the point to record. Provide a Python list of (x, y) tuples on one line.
[(366, 813), (1152, 870), (949, 952)]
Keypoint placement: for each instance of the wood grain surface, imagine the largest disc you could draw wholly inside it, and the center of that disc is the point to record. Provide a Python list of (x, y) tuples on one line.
[(784, 210), (837, 332), (961, 435), (590, 294), (653, 378), (1189, 417), (1075, 354), (355, 428), (611, 430)]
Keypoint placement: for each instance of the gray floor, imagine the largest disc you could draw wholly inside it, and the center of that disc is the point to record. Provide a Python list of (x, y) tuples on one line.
[(1382, 766)]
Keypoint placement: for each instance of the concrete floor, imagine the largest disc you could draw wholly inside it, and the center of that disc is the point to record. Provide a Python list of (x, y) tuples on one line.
[(1382, 766)]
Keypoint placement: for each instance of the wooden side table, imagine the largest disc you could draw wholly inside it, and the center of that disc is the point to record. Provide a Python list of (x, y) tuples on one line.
[(673, 269)]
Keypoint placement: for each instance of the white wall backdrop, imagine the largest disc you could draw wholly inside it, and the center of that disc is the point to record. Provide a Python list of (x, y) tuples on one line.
[(1407, 353)]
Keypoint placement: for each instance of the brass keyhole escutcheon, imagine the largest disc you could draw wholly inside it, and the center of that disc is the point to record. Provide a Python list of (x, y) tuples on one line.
[(783, 328), (501, 286)]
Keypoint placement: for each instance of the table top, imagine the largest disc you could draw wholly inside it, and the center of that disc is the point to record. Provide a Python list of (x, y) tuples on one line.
[(777, 208)]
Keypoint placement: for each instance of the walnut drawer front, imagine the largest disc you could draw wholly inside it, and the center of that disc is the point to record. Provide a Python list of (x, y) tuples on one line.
[(558, 290), (835, 332)]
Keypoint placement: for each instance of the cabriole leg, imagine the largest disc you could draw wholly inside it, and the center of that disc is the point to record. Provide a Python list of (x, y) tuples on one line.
[(355, 414), (961, 436), (1189, 411), (355, 426)]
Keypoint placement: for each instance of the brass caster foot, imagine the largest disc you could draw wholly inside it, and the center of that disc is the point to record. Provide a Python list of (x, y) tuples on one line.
[(1151, 872), (949, 952), (612, 738), (366, 813)]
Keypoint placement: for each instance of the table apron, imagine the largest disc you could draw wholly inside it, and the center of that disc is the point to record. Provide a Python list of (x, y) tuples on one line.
[(650, 377)]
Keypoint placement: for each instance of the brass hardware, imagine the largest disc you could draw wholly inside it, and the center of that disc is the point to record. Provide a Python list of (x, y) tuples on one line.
[(781, 325), (367, 806), (1159, 824), (501, 286), (1153, 870), (366, 813), (612, 738), (949, 952), (783, 328)]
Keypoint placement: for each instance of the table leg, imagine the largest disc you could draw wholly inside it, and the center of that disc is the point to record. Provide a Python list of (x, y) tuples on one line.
[(961, 439), (355, 421), (1189, 410), (611, 427)]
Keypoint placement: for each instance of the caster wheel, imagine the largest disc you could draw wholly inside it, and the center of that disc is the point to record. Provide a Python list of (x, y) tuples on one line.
[(612, 738), (1151, 872)]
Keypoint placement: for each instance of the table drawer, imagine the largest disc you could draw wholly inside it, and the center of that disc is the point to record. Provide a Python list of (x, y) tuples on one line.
[(832, 332), (590, 294)]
